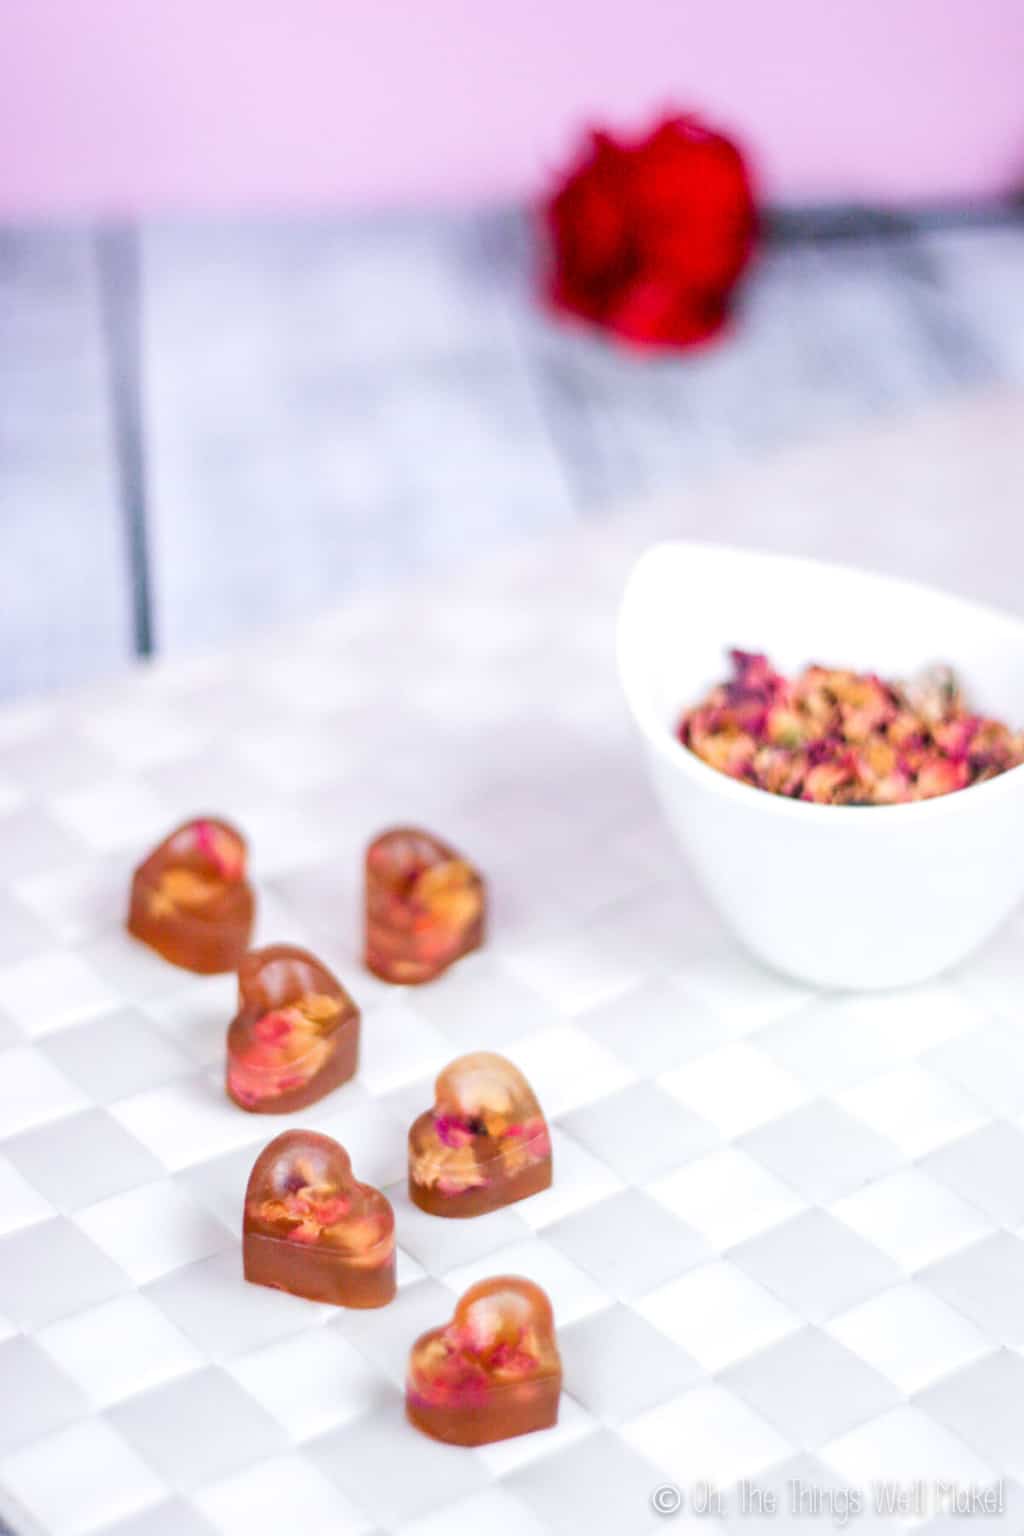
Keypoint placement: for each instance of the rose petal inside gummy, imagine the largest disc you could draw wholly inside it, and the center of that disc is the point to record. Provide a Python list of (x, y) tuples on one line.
[(485, 1131), (493, 1371), (303, 1191), (190, 899), (296, 1032), (424, 906), (286, 1049)]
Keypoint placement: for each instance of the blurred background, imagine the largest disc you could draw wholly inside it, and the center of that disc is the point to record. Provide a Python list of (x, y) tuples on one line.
[(270, 325)]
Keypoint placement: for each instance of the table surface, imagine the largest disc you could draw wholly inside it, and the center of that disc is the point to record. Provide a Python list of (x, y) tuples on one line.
[(291, 412), (786, 1234)]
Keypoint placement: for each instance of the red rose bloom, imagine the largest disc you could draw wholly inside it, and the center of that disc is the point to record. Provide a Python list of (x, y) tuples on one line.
[(649, 239)]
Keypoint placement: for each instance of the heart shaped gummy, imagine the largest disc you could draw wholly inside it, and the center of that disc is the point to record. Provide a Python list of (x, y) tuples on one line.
[(484, 1144), (190, 899), (424, 906), (296, 1033), (492, 1372), (312, 1229)]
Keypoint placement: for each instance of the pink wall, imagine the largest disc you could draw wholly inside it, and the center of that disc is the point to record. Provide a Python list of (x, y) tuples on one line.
[(124, 104)]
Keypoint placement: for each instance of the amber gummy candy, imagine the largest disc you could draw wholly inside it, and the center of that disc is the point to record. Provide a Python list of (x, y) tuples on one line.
[(312, 1229), (296, 1033), (484, 1144), (493, 1372), (191, 900), (424, 906)]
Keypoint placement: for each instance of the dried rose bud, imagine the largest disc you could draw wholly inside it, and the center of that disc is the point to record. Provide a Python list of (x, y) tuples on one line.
[(838, 737), (941, 777), (934, 694)]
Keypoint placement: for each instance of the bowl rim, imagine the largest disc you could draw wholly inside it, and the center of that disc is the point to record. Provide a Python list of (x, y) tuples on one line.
[(664, 741)]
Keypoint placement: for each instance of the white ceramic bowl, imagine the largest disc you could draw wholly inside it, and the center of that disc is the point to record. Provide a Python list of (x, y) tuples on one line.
[(841, 896)]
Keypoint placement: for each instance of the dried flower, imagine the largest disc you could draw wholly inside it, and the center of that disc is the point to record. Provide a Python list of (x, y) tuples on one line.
[(838, 737)]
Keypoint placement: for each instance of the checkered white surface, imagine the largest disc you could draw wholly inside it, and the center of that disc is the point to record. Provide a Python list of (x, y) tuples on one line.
[(785, 1235)]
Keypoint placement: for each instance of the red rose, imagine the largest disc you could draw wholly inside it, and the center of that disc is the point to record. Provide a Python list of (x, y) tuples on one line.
[(649, 239)]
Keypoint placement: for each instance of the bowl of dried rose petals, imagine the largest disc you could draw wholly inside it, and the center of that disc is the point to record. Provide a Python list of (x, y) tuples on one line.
[(837, 753)]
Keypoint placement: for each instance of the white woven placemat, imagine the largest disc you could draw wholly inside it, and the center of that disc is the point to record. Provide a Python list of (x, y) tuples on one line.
[(784, 1240)]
